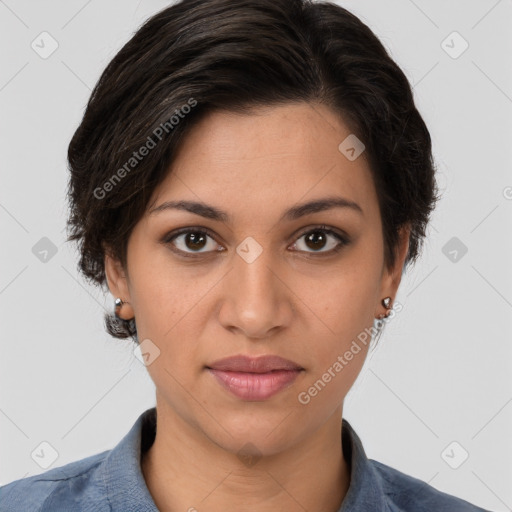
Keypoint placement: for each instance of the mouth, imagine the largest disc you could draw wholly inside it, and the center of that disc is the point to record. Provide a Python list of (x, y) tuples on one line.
[(255, 378), (262, 364)]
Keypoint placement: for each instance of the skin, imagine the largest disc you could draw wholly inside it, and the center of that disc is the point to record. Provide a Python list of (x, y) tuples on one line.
[(291, 301)]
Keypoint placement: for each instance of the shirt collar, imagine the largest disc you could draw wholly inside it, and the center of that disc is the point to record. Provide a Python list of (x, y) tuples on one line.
[(365, 491), (127, 490), (123, 477)]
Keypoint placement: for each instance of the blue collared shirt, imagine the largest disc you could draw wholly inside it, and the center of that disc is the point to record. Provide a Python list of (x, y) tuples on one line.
[(113, 481)]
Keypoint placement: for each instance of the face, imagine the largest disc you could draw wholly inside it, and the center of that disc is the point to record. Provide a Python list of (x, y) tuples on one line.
[(258, 281)]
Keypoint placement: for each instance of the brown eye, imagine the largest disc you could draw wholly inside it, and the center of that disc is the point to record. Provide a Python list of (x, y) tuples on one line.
[(190, 241), (195, 240), (317, 239)]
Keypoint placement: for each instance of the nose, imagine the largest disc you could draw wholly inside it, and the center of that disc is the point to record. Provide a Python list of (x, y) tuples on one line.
[(257, 301)]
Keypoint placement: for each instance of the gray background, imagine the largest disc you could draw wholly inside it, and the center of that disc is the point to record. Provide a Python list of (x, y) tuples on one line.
[(443, 369)]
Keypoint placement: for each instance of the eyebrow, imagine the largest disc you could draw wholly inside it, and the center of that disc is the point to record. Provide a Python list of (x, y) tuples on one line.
[(293, 213)]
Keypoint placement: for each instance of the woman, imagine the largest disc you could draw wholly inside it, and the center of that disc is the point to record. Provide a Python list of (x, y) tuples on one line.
[(250, 180)]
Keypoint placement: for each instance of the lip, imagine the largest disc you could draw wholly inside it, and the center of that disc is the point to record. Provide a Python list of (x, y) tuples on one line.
[(262, 364), (255, 378)]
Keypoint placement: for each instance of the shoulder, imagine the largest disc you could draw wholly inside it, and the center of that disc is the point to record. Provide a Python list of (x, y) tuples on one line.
[(406, 493), (58, 489)]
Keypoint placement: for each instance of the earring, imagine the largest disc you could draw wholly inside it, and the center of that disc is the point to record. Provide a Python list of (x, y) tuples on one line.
[(386, 302), (118, 305)]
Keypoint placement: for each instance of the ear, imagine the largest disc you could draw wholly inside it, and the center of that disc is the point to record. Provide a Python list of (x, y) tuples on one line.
[(117, 282), (391, 277)]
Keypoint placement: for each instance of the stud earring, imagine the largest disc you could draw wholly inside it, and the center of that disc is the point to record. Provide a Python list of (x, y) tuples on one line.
[(118, 305), (386, 302)]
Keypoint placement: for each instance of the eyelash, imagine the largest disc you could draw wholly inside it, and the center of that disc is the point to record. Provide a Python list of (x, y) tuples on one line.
[(168, 239)]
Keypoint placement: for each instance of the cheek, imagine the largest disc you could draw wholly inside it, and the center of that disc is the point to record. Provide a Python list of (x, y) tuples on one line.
[(343, 304), (160, 292), (170, 312), (342, 301), (336, 358)]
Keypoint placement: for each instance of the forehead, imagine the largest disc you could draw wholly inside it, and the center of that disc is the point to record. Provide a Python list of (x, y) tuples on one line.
[(275, 155)]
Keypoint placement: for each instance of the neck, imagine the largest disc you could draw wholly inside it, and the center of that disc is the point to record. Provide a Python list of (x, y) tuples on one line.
[(185, 470)]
